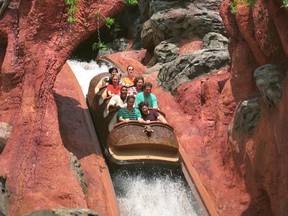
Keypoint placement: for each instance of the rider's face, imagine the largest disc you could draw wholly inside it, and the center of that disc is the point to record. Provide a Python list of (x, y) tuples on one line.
[(145, 109)]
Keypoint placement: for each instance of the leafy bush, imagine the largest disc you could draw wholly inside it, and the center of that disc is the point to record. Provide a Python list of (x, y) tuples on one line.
[(131, 2), (98, 46), (72, 8), (109, 22), (233, 4)]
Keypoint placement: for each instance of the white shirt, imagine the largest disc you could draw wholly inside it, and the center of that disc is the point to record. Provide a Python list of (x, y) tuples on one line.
[(117, 101)]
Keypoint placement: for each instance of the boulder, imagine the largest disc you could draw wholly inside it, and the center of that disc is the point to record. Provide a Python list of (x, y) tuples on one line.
[(269, 80), (189, 66)]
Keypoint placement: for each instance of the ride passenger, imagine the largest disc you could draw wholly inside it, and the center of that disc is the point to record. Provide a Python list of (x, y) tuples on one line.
[(137, 87), (147, 96), (108, 80), (114, 88), (129, 80), (150, 115), (118, 101), (129, 113)]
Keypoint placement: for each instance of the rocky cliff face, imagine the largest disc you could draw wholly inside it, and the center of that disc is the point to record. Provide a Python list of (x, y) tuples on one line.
[(35, 41), (257, 141)]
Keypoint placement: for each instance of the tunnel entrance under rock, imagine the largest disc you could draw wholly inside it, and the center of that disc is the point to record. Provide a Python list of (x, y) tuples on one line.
[(113, 37)]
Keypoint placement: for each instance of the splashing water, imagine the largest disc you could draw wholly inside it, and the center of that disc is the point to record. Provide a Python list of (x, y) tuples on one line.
[(85, 71), (154, 194)]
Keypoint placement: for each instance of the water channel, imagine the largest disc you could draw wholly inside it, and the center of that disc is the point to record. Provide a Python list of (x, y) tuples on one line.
[(144, 189)]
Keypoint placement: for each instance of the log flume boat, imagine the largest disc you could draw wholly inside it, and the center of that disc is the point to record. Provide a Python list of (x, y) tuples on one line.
[(132, 142)]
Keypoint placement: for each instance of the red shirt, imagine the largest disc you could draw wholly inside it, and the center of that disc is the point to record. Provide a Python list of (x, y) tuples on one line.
[(114, 90)]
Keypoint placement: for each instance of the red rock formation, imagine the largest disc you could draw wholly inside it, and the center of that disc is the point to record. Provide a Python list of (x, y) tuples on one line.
[(257, 37), (207, 106), (35, 42)]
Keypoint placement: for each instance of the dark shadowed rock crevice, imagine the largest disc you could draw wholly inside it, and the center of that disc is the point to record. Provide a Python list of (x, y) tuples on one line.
[(3, 197), (247, 116)]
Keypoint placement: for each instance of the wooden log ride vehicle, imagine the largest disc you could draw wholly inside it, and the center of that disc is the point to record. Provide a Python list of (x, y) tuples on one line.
[(132, 142)]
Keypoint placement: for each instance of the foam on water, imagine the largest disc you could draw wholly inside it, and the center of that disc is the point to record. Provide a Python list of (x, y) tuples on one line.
[(85, 71), (139, 195)]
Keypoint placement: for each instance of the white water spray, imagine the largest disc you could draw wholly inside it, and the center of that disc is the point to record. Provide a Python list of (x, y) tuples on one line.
[(141, 195), (85, 71)]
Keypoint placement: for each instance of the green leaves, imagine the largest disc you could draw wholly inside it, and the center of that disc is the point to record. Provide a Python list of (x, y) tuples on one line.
[(234, 3), (131, 2), (251, 2), (233, 6), (98, 46), (72, 8), (109, 22)]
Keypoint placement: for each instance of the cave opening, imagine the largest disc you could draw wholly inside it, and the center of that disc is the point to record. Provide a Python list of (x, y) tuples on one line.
[(123, 29)]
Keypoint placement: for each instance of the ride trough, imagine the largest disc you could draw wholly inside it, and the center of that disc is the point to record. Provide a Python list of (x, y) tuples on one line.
[(132, 142)]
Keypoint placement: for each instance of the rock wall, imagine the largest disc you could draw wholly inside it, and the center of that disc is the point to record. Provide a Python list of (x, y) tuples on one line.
[(258, 140), (36, 163)]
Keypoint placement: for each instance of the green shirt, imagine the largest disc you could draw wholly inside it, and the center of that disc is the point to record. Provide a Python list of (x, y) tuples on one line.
[(134, 114), (150, 99)]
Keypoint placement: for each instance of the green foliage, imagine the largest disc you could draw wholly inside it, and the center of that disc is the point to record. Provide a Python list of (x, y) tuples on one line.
[(285, 3), (131, 2), (251, 2), (109, 22), (98, 46), (72, 8), (112, 25), (233, 4)]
